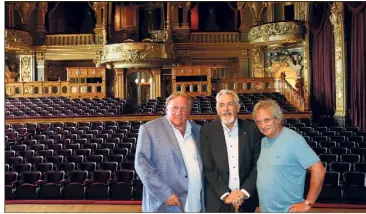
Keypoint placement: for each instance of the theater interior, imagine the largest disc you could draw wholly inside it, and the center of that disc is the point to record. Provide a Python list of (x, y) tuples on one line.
[(81, 77)]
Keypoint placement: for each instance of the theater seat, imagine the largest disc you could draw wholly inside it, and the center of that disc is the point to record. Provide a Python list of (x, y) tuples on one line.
[(11, 181), (28, 186), (122, 185), (331, 191), (354, 190), (98, 188), (74, 187), (52, 185)]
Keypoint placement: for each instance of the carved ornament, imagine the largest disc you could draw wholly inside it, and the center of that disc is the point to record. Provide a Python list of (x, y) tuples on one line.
[(301, 8), (25, 9), (43, 6), (276, 33), (257, 9), (26, 68), (337, 18), (258, 62), (18, 41), (127, 55)]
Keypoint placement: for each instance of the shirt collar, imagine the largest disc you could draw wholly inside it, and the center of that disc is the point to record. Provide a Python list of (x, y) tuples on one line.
[(226, 128), (188, 126)]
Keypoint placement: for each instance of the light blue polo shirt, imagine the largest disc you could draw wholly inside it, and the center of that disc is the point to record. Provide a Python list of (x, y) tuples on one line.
[(281, 169)]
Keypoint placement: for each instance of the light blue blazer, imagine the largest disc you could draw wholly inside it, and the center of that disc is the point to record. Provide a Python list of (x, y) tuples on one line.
[(160, 165)]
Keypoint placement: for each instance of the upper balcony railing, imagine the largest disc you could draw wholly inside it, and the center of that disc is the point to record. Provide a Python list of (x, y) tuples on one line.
[(69, 39), (215, 37), (55, 88)]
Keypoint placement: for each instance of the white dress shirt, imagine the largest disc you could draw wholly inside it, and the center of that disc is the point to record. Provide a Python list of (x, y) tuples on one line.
[(189, 152), (232, 146)]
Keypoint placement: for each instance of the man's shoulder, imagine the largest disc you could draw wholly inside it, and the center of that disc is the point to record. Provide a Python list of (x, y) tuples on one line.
[(195, 125), (211, 124), (291, 134), (247, 124), (154, 123)]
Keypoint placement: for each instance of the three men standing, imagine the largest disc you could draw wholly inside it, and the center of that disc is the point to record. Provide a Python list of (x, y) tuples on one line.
[(173, 158)]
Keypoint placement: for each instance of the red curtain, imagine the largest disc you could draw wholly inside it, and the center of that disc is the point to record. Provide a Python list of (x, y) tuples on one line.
[(322, 58), (357, 60)]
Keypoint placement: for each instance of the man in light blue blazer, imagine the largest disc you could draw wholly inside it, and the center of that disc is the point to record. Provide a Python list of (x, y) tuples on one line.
[(168, 160)]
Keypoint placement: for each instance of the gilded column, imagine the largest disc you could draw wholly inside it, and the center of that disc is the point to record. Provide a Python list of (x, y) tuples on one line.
[(337, 20), (119, 81), (244, 64), (41, 67), (270, 12), (156, 82), (100, 10), (244, 29), (26, 68), (257, 58), (301, 13)]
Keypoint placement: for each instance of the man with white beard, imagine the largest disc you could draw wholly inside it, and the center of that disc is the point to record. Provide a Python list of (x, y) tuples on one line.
[(230, 149)]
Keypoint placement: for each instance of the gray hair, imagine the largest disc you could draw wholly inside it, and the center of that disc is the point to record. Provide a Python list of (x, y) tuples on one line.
[(271, 105), (227, 91), (179, 94)]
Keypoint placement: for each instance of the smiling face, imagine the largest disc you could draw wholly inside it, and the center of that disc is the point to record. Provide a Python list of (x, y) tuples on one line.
[(178, 110), (227, 108), (267, 123)]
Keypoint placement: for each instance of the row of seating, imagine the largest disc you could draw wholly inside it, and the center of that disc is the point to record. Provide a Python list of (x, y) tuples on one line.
[(61, 106), (207, 104), (101, 186), (338, 187)]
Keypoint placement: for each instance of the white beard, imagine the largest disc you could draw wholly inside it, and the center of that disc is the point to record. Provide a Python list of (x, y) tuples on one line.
[(228, 120)]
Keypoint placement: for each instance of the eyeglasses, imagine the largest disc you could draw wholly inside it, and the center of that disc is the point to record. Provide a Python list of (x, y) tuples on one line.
[(265, 121)]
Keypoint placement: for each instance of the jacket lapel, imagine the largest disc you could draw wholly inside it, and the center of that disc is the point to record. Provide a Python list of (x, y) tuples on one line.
[(243, 140), (195, 134), (220, 143), (172, 139)]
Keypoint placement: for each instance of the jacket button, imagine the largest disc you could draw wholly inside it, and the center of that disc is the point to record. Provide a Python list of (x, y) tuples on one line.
[(186, 176)]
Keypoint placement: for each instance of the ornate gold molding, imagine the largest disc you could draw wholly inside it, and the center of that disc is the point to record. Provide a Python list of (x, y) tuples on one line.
[(18, 41), (337, 20), (301, 10), (257, 62), (275, 33), (26, 68), (126, 55), (257, 9)]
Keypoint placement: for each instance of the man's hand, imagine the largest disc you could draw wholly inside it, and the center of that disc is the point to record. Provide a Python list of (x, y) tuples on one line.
[(299, 208), (173, 201), (236, 198)]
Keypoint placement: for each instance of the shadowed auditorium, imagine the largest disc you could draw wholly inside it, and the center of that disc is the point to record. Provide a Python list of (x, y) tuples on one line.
[(82, 77)]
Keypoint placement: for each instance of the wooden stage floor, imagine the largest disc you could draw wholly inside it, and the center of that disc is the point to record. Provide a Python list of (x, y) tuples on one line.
[(104, 208)]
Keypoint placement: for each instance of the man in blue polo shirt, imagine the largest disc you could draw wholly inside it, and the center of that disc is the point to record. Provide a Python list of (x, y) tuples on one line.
[(285, 156)]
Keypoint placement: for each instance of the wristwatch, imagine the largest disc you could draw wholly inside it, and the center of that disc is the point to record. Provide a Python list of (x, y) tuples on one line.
[(308, 203)]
